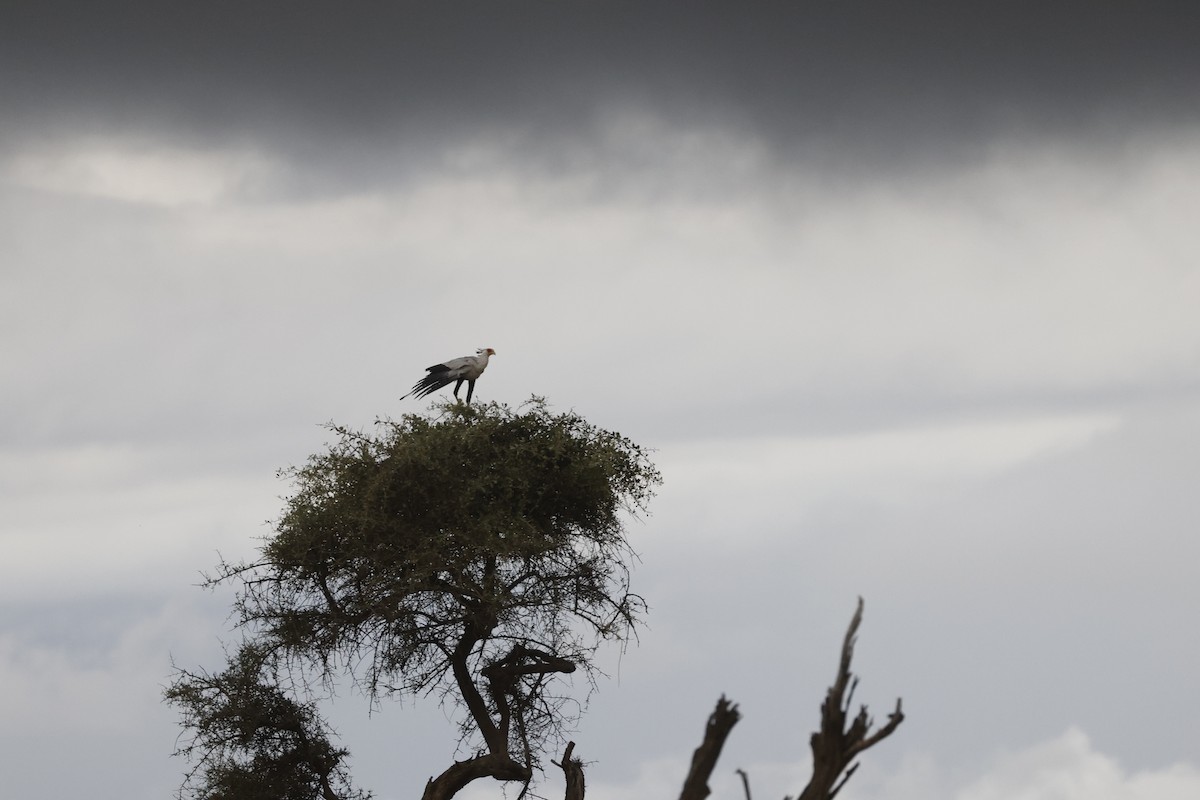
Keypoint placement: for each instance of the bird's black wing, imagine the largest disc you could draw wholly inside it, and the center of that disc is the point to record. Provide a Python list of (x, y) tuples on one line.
[(436, 379)]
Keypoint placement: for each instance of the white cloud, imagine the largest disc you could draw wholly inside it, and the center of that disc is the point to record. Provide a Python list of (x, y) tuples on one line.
[(1070, 768), (1038, 273), (901, 467), (112, 519), (112, 685), (152, 173), (90, 686)]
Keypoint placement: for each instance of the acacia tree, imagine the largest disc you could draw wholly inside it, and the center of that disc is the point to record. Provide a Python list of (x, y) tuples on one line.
[(478, 555)]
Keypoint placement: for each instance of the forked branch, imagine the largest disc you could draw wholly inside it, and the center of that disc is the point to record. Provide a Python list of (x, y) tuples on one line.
[(836, 745)]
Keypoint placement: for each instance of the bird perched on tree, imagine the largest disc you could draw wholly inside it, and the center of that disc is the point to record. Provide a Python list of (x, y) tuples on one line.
[(467, 368)]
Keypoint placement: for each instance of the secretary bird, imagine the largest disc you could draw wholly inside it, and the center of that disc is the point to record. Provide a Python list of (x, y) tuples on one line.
[(456, 370)]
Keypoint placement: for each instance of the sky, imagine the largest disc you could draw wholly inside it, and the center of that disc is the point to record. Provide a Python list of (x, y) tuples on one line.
[(900, 295)]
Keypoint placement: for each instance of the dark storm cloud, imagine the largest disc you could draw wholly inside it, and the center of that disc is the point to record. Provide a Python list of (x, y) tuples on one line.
[(884, 79)]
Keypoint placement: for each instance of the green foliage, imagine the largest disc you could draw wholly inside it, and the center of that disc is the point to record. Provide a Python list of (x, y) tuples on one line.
[(479, 554), (398, 541), (250, 741)]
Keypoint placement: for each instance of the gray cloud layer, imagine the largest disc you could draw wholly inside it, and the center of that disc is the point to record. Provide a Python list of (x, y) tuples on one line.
[(881, 79)]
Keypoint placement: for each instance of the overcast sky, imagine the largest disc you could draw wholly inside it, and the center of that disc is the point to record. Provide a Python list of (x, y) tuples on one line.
[(902, 295)]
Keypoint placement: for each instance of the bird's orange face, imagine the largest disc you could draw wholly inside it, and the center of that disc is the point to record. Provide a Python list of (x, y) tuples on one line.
[(490, 352)]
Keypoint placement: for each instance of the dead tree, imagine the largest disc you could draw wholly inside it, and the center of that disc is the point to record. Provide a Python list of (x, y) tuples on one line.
[(835, 746)]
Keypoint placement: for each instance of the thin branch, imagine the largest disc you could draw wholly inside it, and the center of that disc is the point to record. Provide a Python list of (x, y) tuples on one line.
[(745, 781), (833, 792)]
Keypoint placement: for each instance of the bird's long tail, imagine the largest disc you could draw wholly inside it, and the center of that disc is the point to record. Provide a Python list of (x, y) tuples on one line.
[(430, 383)]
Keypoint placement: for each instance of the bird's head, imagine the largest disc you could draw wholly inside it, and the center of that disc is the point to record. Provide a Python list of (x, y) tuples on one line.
[(485, 351)]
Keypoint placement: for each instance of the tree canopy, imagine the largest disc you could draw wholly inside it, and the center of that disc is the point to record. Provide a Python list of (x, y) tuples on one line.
[(478, 554)]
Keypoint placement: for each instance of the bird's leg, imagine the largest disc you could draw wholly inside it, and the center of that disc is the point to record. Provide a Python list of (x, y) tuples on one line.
[(458, 386), (470, 391)]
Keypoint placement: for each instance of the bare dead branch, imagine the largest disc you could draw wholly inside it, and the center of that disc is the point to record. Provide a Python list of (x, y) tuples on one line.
[(835, 745), (704, 760), (573, 772), (833, 792), (745, 781)]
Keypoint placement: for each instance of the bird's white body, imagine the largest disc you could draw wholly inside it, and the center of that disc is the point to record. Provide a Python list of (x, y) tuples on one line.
[(467, 368), (456, 370)]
